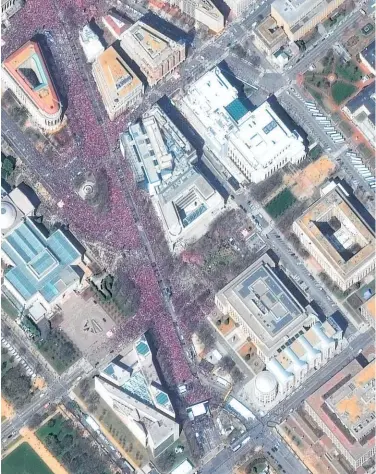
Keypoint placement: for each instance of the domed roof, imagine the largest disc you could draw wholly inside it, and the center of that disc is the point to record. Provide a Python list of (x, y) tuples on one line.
[(265, 382), (8, 215)]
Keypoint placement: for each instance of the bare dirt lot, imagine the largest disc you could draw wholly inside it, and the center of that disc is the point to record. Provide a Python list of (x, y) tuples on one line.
[(303, 183)]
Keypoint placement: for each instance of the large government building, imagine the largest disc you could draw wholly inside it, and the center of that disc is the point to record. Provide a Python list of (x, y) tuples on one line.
[(118, 85), (155, 53), (299, 17), (131, 387), (344, 408), (26, 74), (286, 332), (335, 232), (251, 144)]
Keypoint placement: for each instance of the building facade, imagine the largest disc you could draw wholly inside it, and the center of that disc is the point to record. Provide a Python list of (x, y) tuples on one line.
[(203, 11), (26, 74), (10, 8), (155, 53), (299, 17), (338, 237), (118, 85)]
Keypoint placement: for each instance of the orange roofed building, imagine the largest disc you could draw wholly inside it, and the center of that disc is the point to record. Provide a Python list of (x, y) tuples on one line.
[(344, 408), (25, 73), (118, 85)]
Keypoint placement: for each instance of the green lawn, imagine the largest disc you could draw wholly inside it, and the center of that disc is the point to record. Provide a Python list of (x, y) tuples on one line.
[(45, 430), (349, 71), (280, 203), (24, 460), (342, 91), (8, 308)]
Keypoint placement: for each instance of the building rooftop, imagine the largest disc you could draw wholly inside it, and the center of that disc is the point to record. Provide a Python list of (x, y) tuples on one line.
[(41, 264), (116, 24), (119, 78), (153, 46), (270, 33), (368, 54), (296, 13), (338, 231), (28, 68), (262, 135), (346, 405), (364, 101), (157, 150), (265, 303), (370, 307), (90, 42), (208, 98), (186, 200), (141, 390)]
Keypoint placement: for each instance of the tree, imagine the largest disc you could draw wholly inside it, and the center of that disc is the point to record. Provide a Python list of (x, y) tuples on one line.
[(206, 334), (237, 375), (255, 60), (226, 363), (262, 190), (16, 387), (35, 421), (126, 294)]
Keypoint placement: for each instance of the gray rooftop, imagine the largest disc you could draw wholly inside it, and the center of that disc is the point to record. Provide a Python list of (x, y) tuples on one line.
[(368, 54), (366, 99)]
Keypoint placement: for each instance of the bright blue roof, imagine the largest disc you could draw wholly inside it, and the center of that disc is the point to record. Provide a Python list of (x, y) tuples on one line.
[(41, 263)]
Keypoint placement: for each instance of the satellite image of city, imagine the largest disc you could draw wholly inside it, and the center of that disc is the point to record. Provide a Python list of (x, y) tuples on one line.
[(188, 248)]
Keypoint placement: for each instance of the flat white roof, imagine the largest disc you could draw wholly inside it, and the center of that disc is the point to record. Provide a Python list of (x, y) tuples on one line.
[(241, 409), (199, 409), (184, 468), (262, 136)]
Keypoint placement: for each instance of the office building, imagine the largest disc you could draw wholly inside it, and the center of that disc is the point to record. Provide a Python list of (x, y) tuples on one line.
[(118, 85), (251, 145), (90, 44), (43, 268), (155, 53), (262, 143), (269, 37), (131, 387), (334, 231), (162, 159), (115, 24), (299, 17), (286, 332), (156, 149), (26, 74), (203, 11), (367, 56), (344, 408), (239, 7), (10, 8), (187, 207), (361, 110)]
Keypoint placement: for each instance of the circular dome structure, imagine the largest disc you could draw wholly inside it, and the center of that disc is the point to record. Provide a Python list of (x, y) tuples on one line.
[(265, 387), (8, 215)]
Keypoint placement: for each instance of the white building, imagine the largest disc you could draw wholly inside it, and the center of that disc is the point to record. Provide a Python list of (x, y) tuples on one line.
[(238, 7), (251, 145), (131, 387), (90, 44), (263, 143)]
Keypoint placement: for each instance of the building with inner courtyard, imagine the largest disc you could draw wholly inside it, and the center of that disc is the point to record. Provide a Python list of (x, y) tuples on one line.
[(26, 74), (336, 232)]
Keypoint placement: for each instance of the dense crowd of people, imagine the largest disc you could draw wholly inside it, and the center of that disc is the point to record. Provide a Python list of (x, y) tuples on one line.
[(91, 149)]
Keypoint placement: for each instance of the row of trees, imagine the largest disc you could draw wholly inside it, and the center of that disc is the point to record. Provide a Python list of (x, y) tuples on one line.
[(76, 452), (16, 387)]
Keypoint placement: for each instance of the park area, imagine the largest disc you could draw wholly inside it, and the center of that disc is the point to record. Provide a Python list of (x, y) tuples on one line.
[(280, 203), (333, 81), (24, 460)]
